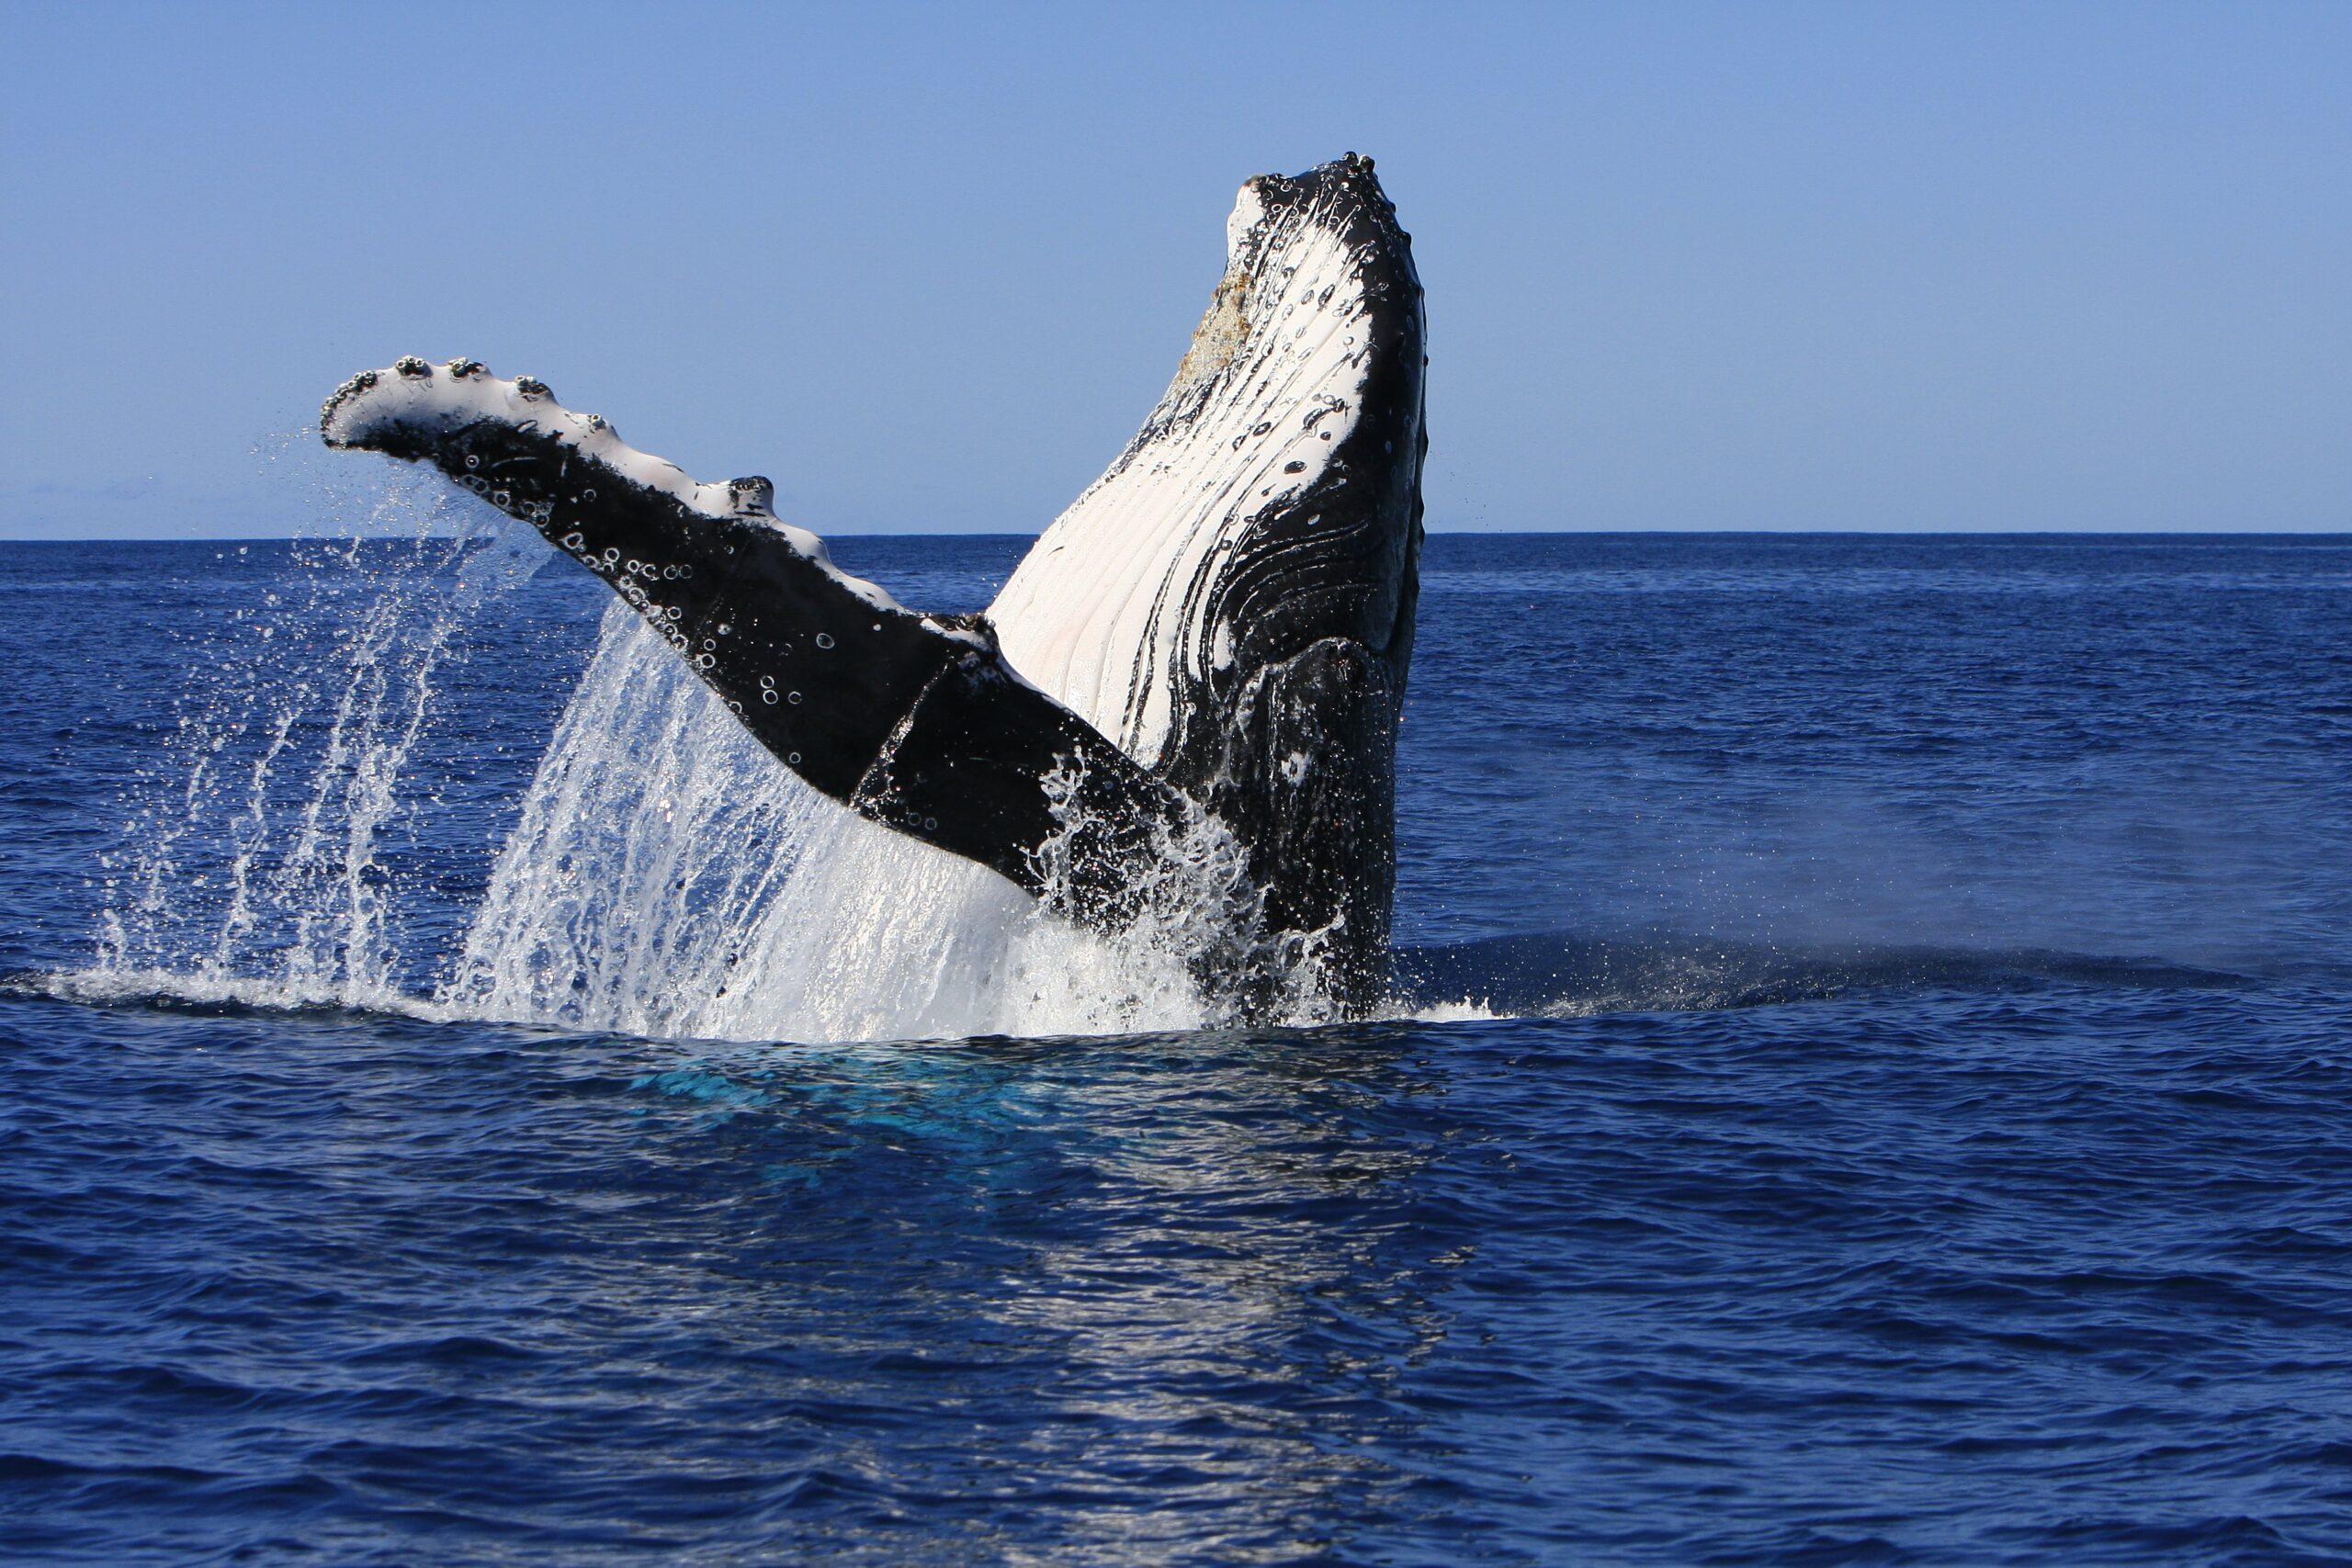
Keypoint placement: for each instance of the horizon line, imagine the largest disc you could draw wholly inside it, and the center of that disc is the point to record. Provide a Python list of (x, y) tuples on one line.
[(2344, 533), (2345, 528)]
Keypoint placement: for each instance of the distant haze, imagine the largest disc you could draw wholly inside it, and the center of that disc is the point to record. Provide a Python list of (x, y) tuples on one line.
[(1985, 266)]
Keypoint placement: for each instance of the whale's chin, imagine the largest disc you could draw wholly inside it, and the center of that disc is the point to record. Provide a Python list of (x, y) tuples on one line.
[(1201, 663)]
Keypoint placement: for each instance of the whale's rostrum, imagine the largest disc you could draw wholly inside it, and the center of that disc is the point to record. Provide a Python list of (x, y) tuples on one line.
[(1203, 659)]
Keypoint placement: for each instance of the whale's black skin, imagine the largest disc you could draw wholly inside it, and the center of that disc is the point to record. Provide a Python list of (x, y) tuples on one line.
[(920, 723)]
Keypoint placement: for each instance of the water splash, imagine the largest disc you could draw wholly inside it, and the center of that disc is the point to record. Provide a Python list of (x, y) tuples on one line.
[(259, 867), (664, 875), (668, 878)]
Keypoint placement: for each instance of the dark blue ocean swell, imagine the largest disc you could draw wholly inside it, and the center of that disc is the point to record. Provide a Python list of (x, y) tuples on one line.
[(1921, 1135), (2134, 746), (2006, 1277)]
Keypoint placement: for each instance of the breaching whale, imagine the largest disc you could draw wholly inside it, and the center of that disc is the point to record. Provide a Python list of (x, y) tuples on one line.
[(1201, 662)]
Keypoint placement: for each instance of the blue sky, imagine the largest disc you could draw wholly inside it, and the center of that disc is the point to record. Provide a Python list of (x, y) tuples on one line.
[(2033, 267)]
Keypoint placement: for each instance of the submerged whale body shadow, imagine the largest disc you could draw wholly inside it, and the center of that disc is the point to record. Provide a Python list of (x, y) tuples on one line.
[(1180, 710)]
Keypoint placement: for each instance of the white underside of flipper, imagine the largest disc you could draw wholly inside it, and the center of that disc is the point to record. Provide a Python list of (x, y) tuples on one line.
[(1110, 613)]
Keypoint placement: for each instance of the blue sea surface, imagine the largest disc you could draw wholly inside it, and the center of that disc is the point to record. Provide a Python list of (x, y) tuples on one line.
[(1873, 1084)]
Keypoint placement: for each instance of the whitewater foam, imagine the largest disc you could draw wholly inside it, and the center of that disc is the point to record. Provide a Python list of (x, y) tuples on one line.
[(664, 875), (667, 878)]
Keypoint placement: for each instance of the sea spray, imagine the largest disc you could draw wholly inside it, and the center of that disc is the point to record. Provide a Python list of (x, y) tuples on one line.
[(662, 875), (668, 878), (256, 869)]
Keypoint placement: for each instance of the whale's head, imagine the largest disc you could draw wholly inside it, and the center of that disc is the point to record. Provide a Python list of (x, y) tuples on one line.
[(1232, 601)]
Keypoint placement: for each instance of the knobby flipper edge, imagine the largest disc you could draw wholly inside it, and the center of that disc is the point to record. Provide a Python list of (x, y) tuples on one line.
[(914, 721)]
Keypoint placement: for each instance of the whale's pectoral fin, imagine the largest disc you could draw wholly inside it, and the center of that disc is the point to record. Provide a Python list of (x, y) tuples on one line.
[(915, 721)]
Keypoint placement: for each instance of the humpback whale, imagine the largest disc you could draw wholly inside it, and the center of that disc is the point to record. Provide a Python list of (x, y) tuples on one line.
[(1199, 664)]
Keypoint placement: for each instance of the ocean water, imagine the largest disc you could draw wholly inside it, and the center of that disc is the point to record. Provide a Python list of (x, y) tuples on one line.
[(1870, 1081)]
